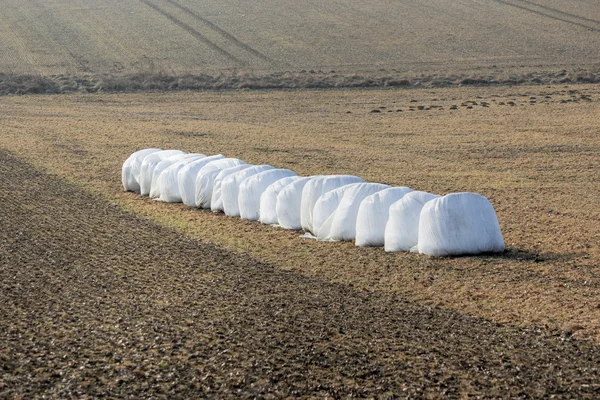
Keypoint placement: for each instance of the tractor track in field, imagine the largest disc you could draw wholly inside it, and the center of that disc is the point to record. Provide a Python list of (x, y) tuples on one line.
[(562, 16), (59, 34), (554, 10), (99, 303), (195, 33), (222, 32)]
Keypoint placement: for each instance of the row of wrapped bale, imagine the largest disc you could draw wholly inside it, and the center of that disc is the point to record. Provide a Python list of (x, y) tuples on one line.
[(327, 207)]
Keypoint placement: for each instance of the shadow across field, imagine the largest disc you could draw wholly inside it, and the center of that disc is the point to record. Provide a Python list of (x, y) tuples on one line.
[(100, 303), (536, 164), (517, 254), (148, 82)]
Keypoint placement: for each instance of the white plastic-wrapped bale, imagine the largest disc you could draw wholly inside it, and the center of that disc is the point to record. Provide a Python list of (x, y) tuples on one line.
[(317, 187), (288, 204), (186, 178), (373, 215), (459, 224), (326, 205), (130, 172), (231, 188), (147, 168), (253, 187), (167, 181), (205, 180), (341, 225), (160, 167), (216, 202), (268, 200), (402, 227)]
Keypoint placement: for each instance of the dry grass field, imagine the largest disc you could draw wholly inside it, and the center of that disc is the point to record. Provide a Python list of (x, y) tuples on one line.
[(75, 37), (97, 303), (109, 294), (121, 295), (74, 46), (536, 160)]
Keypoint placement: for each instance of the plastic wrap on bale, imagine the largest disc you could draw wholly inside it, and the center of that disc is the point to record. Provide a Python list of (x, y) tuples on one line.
[(216, 202), (160, 167), (268, 200), (289, 201), (326, 206), (130, 171), (186, 179), (373, 215), (167, 181), (205, 180), (459, 224), (317, 187), (149, 164), (341, 225), (252, 188), (231, 188), (402, 228)]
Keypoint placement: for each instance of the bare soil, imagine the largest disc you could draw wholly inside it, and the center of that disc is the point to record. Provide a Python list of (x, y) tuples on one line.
[(177, 37), (533, 151), (100, 303)]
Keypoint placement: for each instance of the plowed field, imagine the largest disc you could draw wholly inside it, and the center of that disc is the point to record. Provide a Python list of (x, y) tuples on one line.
[(99, 303), (108, 293), (186, 36)]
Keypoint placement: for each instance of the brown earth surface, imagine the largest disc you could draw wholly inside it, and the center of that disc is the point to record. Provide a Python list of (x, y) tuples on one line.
[(537, 161), (97, 303), (534, 151), (66, 46), (56, 37)]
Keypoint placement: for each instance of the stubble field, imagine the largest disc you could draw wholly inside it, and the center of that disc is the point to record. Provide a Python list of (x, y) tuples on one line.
[(536, 160), (68, 248), (75, 37), (74, 46), (108, 294)]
